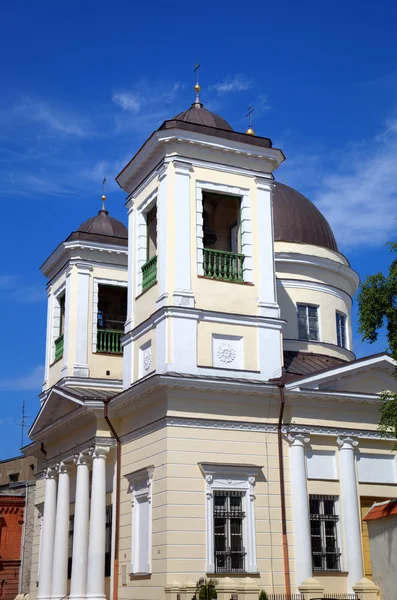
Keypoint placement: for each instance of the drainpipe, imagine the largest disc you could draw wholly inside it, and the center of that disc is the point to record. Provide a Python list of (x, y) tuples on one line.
[(281, 387), (117, 500)]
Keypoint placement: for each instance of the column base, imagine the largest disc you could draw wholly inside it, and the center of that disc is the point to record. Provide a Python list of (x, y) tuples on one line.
[(77, 597), (94, 597)]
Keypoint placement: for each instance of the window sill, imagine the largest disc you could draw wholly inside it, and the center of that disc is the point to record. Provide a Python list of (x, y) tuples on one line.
[(225, 280), (330, 573), (108, 353), (240, 574)]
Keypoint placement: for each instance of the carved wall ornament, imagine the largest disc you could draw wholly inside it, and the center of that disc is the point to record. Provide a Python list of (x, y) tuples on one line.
[(147, 359), (226, 353)]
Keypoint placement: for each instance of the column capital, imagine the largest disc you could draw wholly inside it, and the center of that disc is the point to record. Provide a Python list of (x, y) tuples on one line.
[(266, 185), (81, 459), (63, 467), (50, 473), (162, 172), (182, 168), (99, 451), (298, 439), (347, 442)]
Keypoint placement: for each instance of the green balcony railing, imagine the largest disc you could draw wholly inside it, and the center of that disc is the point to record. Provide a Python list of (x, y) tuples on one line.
[(149, 272), (59, 347), (227, 266), (109, 341)]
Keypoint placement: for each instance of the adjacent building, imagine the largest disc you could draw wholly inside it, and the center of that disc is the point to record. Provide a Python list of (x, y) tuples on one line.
[(202, 404)]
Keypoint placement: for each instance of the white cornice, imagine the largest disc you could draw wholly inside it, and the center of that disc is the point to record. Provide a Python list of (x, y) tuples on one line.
[(71, 452), (315, 287)]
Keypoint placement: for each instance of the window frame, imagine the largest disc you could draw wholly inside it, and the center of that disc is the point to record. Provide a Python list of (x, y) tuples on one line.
[(97, 281), (140, 486), (338, 540), (141, 236), (56, 319), (308, 305), (232, 478), (339, 314)]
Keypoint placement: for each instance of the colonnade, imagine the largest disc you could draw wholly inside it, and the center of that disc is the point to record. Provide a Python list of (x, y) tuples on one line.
[(88, 556), (353, 560)]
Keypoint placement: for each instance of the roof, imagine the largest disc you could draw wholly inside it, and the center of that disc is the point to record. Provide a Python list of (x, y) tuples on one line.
[(86, 393), (379, 510), (202, 116), (300, 364), (297, 219), (102, 228)]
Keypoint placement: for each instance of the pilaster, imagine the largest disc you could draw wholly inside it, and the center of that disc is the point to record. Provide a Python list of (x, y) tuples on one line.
[(162, 254), (68, 311), (48, 349), (80, 367)]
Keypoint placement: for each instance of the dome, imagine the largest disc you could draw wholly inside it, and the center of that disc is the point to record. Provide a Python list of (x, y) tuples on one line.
[(102, 224), (296, 219), (201, 116)]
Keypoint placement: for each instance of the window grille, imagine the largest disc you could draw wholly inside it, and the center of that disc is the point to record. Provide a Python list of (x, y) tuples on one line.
[(324, 521), (228, 532), (308, 322), (108, 540), (341, 330)]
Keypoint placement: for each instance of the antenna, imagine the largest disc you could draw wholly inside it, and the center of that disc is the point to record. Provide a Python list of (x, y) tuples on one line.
[(22, 424)]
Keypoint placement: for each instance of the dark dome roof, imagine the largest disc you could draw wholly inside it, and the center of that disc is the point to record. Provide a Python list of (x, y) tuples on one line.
[(296, 219), (201, 116), (102, 224)]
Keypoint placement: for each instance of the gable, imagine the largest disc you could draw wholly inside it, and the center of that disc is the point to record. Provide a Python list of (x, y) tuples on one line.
[(57, 405)]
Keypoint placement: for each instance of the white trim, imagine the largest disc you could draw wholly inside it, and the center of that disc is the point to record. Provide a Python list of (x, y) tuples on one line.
[(48, 349), (56, 317), (315, 287), (343, 370), (232, 478), (245, 223), (80, 367), (95, 296), (140, 486), (141, 235), (183, 294)]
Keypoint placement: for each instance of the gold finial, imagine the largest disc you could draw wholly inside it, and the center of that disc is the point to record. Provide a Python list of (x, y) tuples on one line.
[(197, 86), (103, 194), (250, 130)]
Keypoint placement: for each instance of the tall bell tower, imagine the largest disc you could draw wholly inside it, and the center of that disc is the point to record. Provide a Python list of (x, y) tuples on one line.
[(201, 274)]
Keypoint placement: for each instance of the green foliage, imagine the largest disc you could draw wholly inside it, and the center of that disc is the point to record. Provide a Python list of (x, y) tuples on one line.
[(377, 308), (263, 595), (208, 591)]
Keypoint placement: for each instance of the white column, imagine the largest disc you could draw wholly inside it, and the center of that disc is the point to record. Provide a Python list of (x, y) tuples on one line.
[(48, 348), (47, 536), (66, 334), (80, 367), (267, 305), (162, 236), (96, 545), (128, 345), (300, 507), (61, 540), (80, 531), (183, 295), (350, 510)]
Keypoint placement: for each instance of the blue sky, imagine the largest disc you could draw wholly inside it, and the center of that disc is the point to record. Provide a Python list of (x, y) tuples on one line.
[(85, 83)]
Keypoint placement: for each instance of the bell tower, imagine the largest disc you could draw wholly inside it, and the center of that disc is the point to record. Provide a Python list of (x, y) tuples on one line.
[(201, 275)]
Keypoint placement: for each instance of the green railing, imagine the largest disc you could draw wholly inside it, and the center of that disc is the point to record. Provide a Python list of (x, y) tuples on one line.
[(219, 264), (109, 341), (59, 347), (149, 272)]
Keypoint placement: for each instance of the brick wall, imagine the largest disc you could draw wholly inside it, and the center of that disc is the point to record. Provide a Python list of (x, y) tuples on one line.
[(11, 527)]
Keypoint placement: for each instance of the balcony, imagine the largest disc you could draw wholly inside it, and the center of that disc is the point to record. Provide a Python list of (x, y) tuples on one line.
[(59, 347), (109, 341), (149, 273), (226, 266)]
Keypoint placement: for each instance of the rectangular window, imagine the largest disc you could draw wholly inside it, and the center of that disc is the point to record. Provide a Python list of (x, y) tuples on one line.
[(308, 322), (61, 301), (151, 220), (324, 521), (112, 314), (341, 330), (108, 540), (70, 545), (228, 532)]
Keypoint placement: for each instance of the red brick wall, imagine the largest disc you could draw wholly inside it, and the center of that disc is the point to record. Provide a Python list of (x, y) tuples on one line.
[(11, 527)]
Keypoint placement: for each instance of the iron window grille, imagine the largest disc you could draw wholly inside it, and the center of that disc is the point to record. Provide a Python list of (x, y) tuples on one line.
[(341, 330), (228, 532), (324, 521), (308, 322)]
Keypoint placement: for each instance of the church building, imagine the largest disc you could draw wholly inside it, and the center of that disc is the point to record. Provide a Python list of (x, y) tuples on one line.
[(203, 413)]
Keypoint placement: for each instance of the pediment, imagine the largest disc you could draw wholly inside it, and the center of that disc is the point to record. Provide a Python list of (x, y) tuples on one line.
[(59, 403), (370, 375)]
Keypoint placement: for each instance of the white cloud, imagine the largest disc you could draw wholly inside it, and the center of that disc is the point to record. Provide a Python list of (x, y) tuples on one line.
[(129, 101), (55, 121), (30, 381), (355, 189), (235, 83), (14, 290)]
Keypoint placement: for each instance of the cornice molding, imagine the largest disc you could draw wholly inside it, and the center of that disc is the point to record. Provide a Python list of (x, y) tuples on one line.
[(70, 454)]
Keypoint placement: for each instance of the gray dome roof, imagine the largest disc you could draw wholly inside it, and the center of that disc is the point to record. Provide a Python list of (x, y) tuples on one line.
[(296, 219), (102, 224), (202, 116)]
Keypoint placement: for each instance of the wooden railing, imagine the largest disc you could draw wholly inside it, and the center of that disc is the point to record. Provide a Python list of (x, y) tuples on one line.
[(149, 272), (227, 266), (109, 341), (59, 347)]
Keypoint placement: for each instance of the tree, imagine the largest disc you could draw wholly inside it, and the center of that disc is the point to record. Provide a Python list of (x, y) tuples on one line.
[(377, 308), (208, 590), (263, 595)]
